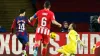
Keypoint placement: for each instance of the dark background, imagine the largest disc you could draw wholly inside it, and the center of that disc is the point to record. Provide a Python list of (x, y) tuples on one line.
[(77, 11)]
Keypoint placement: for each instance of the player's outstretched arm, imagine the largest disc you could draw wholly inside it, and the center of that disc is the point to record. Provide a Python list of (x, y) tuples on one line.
[(31, 23), (33, 17), (56, 23), (13, 26)]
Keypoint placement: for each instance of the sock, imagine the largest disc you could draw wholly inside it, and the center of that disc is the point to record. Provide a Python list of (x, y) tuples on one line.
[(27, 48), (44, 51), (36, 47), (23, 48)]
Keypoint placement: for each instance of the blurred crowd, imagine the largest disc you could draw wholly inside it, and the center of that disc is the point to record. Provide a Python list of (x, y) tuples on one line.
[(2, 29), (65, 27), (95, 23)]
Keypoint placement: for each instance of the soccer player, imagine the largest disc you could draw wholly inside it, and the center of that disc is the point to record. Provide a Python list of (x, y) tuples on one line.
[(20, 24), (71, 47), (45, 17)]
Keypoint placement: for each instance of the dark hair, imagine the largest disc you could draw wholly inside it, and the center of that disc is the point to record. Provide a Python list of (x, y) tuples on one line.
[(65, 22), (47, 4), (21, 11), (74, 26)]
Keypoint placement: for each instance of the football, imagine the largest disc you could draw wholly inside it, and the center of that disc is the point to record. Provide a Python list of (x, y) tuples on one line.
[(52, 35)]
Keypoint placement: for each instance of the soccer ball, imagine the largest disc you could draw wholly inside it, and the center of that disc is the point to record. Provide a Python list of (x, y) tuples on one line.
[(52, 35)]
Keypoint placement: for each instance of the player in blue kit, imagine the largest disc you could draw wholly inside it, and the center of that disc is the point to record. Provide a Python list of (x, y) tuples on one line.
[(20, 24)]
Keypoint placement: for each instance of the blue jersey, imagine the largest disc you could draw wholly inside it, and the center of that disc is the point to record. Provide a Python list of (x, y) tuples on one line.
[(20, 24)]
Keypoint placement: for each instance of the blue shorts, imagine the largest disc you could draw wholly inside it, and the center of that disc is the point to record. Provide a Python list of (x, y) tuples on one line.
[(22, 38)]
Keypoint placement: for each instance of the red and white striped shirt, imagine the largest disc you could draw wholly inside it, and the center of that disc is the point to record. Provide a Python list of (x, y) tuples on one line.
[(43, 30), (45, 18)]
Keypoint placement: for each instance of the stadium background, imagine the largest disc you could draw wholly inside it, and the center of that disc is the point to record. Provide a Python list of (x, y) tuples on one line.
[(77, 11)]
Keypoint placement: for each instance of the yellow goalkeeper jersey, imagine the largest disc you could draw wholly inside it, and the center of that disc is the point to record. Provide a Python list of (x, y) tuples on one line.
[(73, 36), (71, 47)]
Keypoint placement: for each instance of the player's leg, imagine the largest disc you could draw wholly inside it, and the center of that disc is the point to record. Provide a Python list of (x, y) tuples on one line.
[(67, 54), (24, 50), (45, 41), (20, 38), (25, 44), (36, 46), (44, 49), (62, 49), (72, 54), (38, 38)]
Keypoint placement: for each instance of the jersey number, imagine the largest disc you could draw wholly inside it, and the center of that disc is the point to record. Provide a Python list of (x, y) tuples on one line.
[(43, 22), (22, 27)]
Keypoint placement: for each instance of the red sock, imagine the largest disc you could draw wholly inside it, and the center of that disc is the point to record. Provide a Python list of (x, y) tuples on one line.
[(27, 48), (23, 48), (44, 51)]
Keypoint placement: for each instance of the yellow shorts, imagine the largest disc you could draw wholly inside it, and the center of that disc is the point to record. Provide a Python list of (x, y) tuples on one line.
[(69, 49)]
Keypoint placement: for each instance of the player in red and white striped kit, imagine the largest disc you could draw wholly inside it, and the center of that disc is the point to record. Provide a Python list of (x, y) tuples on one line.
[(45, 17)]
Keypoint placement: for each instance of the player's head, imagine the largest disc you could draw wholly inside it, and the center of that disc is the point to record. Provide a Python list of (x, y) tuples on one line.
[(47, 5), (72, 26), (65, 24), (22, 12)]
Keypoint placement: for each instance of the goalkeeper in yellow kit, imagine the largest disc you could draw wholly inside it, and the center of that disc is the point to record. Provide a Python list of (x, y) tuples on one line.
[(71, 47)]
